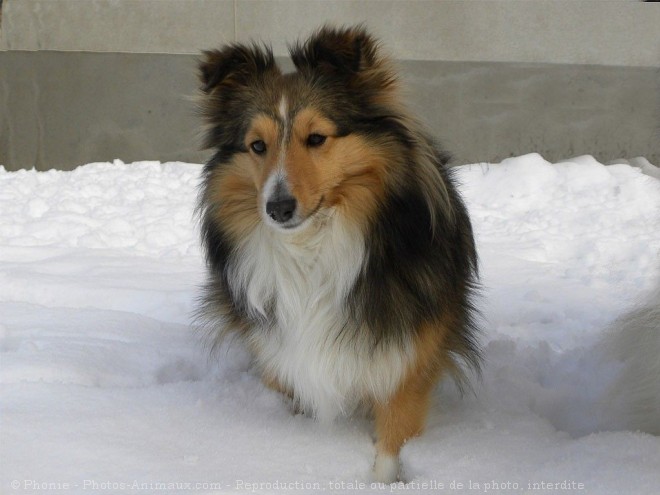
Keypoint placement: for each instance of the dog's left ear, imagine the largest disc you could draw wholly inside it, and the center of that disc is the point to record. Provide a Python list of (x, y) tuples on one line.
[(350, 54), (235, 66)]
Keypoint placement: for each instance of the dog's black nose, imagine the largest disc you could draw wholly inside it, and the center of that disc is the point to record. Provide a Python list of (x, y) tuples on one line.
[(281, 210)]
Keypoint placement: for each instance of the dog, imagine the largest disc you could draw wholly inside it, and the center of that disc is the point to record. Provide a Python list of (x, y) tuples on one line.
[(338, 248)]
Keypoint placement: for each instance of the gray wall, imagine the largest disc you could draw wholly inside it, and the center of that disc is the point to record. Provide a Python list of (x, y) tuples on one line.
[(87, 80)]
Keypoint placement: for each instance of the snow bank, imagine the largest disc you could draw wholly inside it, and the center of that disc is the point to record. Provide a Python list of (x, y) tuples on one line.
[(105, 386)]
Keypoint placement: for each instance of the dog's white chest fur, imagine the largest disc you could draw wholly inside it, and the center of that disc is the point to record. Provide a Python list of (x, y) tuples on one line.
[(305, 277)]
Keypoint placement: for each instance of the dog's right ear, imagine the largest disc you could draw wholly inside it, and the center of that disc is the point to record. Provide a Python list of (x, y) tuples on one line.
[(234, 65)]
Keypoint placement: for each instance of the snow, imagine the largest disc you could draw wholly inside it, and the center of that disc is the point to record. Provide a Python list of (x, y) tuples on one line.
[(107, 387)]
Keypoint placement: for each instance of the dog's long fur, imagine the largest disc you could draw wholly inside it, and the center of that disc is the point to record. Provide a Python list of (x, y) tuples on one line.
[(361, 295)]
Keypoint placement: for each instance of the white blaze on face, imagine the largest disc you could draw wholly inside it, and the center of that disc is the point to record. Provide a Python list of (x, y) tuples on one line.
[(278, 176), (283, 109)]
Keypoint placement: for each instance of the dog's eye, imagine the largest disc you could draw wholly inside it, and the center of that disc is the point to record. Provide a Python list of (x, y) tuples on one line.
[(314, 140), (259, 147)]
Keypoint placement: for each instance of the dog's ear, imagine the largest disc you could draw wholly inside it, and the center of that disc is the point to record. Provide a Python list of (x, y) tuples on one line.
[(234, 65), (351, 54)]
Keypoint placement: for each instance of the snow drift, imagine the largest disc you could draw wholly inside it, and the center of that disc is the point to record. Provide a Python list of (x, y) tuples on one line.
[(105, 385)]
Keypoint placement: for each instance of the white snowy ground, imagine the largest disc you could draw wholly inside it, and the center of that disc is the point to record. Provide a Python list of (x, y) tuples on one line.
[(106, 388)]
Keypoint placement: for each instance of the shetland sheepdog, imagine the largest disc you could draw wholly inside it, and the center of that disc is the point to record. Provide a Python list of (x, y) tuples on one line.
[(338, 248)]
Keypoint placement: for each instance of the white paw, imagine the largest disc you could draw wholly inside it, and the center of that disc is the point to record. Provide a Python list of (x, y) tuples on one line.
[(386, 468)]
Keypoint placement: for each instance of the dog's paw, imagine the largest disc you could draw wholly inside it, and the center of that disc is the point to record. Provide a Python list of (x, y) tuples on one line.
[(386, 469)]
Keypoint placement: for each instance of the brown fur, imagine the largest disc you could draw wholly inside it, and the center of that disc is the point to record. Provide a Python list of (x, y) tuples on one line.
[(348, 172), (403, 416), (233, 190)]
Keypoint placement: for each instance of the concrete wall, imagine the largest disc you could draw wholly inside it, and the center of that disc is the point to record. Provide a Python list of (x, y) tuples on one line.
[(92, 80), (560, 31)]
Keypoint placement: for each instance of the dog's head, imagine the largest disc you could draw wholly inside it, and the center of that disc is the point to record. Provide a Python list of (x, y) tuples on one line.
[(297, 144)]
